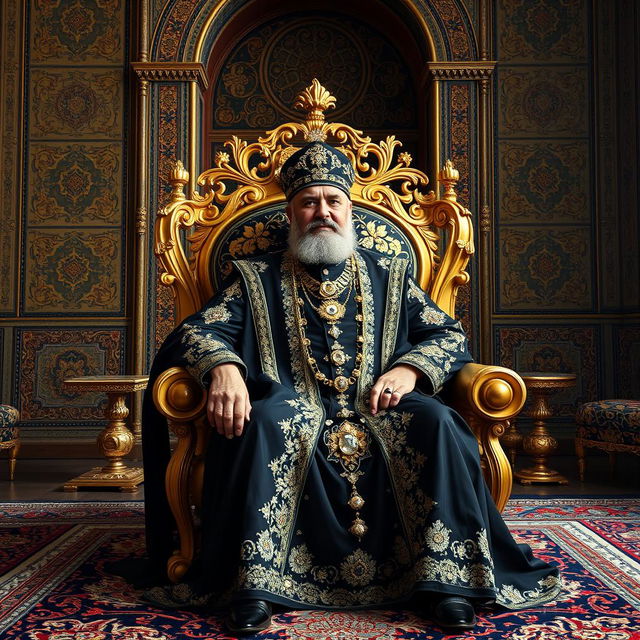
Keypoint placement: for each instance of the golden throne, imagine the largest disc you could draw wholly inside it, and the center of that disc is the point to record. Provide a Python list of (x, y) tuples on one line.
[(241, 212)]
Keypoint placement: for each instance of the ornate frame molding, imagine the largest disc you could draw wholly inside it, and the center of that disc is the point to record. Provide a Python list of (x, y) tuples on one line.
[(172, 72), (468, 70)]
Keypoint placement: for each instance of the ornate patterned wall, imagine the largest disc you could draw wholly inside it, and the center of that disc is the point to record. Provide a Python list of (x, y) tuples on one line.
[(564, 149), (64, 249), (560, 232)]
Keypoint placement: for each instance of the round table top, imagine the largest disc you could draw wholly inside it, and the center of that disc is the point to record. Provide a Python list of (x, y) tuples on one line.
[(108, 383), (548, 379)]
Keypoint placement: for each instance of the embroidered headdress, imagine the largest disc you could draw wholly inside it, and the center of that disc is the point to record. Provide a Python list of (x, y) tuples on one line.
[(316, 164)]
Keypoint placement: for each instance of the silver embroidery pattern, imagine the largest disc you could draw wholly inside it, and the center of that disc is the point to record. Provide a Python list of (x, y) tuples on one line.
[(435, 360), (432, 316), (289, 470), (395, 283), (249, 270), (292, 572), (204, 352)]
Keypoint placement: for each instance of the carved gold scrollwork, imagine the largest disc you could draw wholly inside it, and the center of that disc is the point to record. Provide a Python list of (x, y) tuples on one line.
[(383, 183)]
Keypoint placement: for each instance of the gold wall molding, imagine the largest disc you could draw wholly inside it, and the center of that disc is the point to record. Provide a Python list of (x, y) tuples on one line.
[(172, 72), (467, 70)]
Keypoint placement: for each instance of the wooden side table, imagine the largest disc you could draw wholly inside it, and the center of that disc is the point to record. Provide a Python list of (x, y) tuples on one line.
[(540, 443), (116, 440)]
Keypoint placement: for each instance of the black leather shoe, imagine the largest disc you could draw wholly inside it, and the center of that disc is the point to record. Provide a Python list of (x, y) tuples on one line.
[(249, 616), (453, 613)]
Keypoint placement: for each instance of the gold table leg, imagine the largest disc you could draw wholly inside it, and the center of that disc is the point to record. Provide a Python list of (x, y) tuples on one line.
[(114, 442), (539, 444)]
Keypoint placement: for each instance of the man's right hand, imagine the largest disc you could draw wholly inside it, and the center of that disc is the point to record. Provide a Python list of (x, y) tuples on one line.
[(228, 405)]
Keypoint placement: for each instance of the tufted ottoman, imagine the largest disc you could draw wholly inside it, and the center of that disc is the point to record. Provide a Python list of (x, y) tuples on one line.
[(9, 438), (611, 425)]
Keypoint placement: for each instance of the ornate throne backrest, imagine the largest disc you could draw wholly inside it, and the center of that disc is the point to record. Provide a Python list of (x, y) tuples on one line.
[(241, 209)]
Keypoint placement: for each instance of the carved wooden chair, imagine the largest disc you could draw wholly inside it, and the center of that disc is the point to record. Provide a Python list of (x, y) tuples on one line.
[(241, 212)]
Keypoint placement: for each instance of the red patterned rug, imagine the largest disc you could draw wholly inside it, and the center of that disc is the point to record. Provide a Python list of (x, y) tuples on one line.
[(55, 587)]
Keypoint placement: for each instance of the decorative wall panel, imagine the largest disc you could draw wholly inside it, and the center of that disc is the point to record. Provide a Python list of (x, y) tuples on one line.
[(91, 31), (606, 105), (79, 184), (72, 239), (73, 271), (269, 67), (47, 357), (462, 130), (449, 12), (543, 101), (544, 181), (562, 349), (545, 268), (626, 349), (628, 142), (167, 154), (75, 103), (542, 30), (11, 68)]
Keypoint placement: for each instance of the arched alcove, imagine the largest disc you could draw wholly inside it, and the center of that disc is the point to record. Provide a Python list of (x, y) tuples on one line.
[(261, 61), (413, 64)]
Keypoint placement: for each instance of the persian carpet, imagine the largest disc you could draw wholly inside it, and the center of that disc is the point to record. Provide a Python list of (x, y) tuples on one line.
[(55, 585)]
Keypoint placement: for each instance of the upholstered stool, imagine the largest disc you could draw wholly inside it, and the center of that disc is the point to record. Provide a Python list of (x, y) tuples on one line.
[(611, 425), (9, 438)]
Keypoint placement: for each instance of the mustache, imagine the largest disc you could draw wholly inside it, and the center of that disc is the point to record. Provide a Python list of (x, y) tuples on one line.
[(322, 223)]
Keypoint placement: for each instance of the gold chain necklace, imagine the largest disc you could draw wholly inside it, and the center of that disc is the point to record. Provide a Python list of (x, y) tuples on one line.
[(340, 383), (330, 310), (329, 288)]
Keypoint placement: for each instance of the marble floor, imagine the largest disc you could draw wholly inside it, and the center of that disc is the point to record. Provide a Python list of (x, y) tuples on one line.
[(42, 479)]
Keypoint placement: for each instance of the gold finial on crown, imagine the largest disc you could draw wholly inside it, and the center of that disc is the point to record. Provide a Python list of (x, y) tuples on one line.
[(315, 100)]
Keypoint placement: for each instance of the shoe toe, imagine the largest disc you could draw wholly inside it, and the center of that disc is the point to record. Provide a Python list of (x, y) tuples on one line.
[(249, 616), (454, 612)]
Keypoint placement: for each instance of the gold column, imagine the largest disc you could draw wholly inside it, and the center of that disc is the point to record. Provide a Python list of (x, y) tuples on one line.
[(193, 136), (140, 293), (140, 269), (486, 266)]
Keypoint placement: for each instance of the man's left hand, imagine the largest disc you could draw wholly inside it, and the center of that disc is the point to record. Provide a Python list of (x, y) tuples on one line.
[(391, 386)]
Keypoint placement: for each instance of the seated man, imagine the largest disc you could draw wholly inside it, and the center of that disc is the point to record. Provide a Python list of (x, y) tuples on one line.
[(338, 477)]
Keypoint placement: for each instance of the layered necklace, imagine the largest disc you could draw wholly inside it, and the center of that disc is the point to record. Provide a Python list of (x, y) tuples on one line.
[(347, 442), (331, 309)]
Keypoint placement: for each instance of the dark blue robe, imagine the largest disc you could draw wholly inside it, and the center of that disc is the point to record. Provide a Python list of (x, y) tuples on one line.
[(275, 512)]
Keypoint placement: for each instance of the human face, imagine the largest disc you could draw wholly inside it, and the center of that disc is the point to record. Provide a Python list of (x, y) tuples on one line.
[(319, 204)]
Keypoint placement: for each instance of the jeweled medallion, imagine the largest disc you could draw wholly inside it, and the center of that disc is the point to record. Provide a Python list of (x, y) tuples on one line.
[(328, 289), (331, 310), (338, 357), (348, 443), (341, 383)]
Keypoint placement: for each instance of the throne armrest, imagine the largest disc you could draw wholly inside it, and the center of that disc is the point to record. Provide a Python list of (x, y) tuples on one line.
[(182, 401), (488, 397)]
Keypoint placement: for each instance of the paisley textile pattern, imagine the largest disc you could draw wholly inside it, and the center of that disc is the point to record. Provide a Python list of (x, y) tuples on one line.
[(68, 550), (610, 421), (8, 423)]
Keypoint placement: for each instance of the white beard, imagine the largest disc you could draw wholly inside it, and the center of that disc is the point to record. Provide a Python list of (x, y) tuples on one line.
[(322, 247)]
